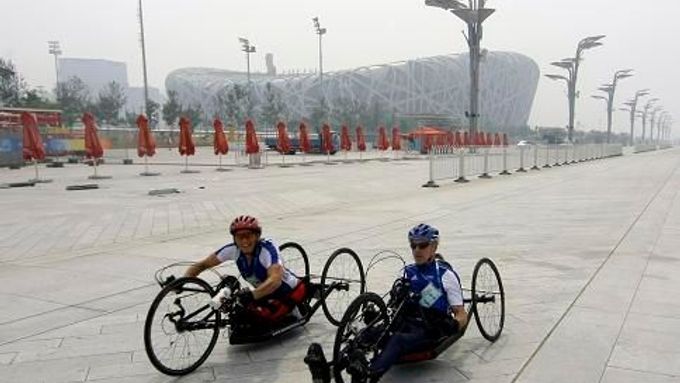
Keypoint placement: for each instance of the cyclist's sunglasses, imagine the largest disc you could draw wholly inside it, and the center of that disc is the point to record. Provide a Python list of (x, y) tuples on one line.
[(421, 245)]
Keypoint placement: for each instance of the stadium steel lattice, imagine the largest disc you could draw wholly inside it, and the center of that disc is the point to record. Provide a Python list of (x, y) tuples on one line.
[(435, 85)]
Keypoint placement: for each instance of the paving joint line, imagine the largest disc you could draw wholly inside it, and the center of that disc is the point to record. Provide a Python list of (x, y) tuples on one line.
[(597, 271)]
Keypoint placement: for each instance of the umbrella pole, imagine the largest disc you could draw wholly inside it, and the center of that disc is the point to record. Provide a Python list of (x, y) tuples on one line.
[(146, 164), (220, 160), (186, 163), (94, 161), (328, 156), (35, 164)]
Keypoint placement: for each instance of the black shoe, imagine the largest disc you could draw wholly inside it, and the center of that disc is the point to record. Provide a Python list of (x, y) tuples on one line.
[(318, 366), (358, 367)]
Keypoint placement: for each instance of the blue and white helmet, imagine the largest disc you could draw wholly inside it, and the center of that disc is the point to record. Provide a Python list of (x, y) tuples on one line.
[(423, 233)]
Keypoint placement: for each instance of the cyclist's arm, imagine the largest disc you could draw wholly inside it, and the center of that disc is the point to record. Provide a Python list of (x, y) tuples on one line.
[(273, 281), (205, 263), (454, 296)]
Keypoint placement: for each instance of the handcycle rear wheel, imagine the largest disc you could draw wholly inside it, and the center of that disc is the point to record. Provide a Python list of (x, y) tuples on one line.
[(344, 273), (359, 332), (172, 345), (295, 259), (488, 299)]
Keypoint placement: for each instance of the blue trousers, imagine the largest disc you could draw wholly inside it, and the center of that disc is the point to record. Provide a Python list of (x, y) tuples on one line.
[(412, 337)]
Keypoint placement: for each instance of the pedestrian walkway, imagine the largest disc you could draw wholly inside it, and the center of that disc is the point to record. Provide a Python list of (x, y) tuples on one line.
[(588, 255)]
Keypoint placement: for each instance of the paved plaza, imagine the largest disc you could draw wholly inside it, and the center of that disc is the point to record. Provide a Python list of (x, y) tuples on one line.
[(589, 254)]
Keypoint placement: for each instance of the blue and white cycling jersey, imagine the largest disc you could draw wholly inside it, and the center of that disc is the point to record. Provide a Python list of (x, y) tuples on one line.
[(437, 283), (265, 255)]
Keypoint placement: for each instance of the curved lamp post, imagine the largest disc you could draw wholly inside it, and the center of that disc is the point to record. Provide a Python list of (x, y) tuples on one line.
[(633, 109), (610, 90), (571, 65), (645, 111), (473, 14)]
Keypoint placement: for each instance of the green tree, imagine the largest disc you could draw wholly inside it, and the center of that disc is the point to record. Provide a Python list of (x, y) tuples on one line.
[(273, 108), (12, 84), (74, 99), (154, 113), (171, 109), (320, 113), (36, 98), (109, 103), (195, 114)]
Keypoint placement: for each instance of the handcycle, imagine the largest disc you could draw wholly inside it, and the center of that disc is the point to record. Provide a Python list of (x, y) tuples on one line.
[(182, 327), (371, 319)]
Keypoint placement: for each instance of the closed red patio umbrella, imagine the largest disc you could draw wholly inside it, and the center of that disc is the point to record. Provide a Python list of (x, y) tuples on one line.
[(383, 144), (220, 143), (93, 148), (146, 144), (186, 141), (396, 138), (33, 149), (252, 146), (282, 139), (345, 141)]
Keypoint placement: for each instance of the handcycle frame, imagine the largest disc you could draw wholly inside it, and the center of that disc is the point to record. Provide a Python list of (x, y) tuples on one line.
[(208, 318), (392, 313)]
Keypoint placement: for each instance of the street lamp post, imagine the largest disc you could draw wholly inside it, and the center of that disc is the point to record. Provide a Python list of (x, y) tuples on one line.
[(571, 65), (143, 43), (55, 49), (644, 117), (320, 31), (652, 125), (473, 14), (610, 90), (633, 106), (246, 47)]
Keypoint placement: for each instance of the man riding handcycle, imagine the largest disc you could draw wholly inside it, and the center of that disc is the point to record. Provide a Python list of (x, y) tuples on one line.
[(424, 314), (184, 320)]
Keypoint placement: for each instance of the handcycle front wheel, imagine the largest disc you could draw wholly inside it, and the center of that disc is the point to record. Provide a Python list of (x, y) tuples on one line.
[(488, 299), (181, 328), (342, 280), (360, 330), (295, 259)]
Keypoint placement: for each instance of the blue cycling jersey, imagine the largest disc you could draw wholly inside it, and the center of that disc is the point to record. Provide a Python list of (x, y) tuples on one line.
[(437, 284), (265, 255)]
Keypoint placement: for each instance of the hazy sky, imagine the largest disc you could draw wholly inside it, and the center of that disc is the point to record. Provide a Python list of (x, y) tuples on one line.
[(641, 35)]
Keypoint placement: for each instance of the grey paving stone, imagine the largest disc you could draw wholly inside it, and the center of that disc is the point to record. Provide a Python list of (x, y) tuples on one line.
[(619, 375)]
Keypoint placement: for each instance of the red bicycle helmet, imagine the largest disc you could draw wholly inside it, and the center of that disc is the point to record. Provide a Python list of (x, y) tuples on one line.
[(245, 222)]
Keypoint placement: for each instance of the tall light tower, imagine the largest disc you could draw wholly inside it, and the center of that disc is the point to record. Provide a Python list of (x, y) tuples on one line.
[(320, 31), (473, 14), (143, 43), (55, 49), (610, 90), (246, 47), (571, 65)]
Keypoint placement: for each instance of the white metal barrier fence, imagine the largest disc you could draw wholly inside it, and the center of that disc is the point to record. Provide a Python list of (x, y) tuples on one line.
[(460, 163)]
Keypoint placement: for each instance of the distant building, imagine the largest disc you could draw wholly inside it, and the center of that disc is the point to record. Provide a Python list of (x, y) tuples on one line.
[(95, 73), (135, 98)]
